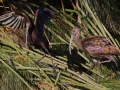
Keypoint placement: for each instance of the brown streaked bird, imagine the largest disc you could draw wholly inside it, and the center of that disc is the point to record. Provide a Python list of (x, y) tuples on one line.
[(34, 29), (97, 47)]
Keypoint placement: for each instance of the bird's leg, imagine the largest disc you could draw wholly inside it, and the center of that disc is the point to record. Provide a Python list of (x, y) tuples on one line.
[(26, 36), (37, 62), (110, 58), (54, 70), (28, 26), (47, 37), (93, 65), (98, 63), (108, 61), (100, 70), (105, 61)]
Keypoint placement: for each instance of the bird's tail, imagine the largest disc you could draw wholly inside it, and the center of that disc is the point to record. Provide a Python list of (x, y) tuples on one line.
[(113, 50)]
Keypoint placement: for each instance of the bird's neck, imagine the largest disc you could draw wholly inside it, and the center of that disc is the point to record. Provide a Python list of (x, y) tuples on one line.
[(77, 40), (40, 29)]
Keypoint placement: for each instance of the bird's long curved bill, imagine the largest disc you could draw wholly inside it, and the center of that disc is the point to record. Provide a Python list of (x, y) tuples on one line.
[(71, 39)]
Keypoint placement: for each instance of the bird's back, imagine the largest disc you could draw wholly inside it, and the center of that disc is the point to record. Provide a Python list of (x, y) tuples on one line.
[(98, 46)]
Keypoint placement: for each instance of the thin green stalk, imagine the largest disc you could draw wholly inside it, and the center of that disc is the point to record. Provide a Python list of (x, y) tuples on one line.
[(58, 76), (93, 16), (20, 77)]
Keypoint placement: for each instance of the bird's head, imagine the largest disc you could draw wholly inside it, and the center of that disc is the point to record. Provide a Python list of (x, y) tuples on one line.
[(49, 11), (74, 32)]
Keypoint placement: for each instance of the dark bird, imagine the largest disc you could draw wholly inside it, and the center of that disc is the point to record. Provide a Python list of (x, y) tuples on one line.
[(97, 47), (34, 30)]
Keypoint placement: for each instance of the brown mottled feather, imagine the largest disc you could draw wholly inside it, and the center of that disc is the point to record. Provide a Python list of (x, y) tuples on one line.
[(97, 46)]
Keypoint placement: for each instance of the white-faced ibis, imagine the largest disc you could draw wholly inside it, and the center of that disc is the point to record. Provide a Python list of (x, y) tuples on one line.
[(97, 47), (34, 29)]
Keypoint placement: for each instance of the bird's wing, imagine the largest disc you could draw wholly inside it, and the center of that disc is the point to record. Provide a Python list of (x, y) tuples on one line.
[(13, 20), (42, 16), (96, 40), (16, 21), (99, 45), (97, 51), (93, 45)]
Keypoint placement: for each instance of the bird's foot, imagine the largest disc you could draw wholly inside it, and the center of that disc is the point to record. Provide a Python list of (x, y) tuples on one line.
[(92, 66), (54, 68), (36, 62), (54, 71), (90, 69)]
